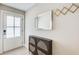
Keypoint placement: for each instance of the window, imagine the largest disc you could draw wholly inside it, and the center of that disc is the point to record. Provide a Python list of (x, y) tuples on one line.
[(13, 26)]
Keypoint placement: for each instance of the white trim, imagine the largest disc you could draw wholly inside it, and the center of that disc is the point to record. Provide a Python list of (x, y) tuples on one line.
[(12, 13)]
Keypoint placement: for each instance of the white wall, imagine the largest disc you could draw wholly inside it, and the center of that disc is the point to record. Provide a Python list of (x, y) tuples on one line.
[(65, 33)]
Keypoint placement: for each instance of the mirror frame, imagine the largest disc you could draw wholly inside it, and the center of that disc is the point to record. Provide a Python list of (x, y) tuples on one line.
[(50, 18)]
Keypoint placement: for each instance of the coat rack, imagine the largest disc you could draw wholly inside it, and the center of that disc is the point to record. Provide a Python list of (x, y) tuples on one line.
[(73, 8)]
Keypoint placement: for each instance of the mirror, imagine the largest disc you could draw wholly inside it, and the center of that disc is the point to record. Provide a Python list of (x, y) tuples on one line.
[(44, 20)]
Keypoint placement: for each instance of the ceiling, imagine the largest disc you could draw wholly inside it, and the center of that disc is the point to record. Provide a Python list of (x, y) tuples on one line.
[(21, 6)]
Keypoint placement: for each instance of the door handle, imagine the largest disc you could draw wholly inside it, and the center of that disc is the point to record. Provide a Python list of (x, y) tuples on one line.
[(4, 31)]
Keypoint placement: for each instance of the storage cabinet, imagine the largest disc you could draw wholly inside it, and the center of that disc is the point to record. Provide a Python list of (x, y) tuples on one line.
[(40, 45)]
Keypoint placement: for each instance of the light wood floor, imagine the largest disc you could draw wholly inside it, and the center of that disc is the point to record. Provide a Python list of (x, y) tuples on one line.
[(18, 51)]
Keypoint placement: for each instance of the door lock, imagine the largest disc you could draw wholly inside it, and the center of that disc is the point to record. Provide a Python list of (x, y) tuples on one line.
[(4, 31)]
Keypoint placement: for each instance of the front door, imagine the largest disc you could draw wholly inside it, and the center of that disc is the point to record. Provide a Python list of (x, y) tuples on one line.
[(12, 31)]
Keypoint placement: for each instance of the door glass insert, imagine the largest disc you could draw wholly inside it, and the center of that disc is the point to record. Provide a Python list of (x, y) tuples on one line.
[(17, 21), (17, 32), (10, 20), (13, 26)]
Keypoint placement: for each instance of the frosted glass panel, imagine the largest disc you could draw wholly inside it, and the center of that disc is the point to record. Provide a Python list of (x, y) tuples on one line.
[(17, 32), (10, 20), (9, 33), (17, 21)]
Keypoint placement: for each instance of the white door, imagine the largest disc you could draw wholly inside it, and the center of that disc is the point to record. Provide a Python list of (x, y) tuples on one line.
[(12, 31), (1, 32)]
